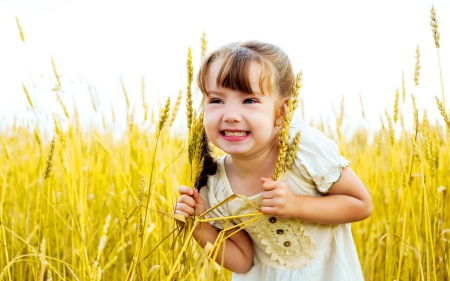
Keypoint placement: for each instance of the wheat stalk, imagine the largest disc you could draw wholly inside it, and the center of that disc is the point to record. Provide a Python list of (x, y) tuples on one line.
[(144, 103), (5, 148), (49, 165), (443, 113), (414, 148), (125, 94), (164, 115), (41, 270), (55, 71), (204, 44), (403, 87), (283, 138), (190, 77), (30, 101), (62, 105), (436, 35), (292, 150), (176, 107), (396, 106), (415, 113), (391, 128), (417, 67), (362, 107), (92, 98), (434, 27), (22, 36)]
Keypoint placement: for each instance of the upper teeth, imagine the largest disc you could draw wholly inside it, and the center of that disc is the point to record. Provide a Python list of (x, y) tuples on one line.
[(235, 134)]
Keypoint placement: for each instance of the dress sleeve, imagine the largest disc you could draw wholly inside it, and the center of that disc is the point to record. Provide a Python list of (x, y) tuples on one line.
[(318, 159), (214, 193)]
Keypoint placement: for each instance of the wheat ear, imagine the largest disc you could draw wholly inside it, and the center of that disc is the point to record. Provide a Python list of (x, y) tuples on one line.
[(417, 67), (443, 113), (204, 44), (49, 165), (190, 77), (22, 36), (283, 138), (434, 27), (176, 107)]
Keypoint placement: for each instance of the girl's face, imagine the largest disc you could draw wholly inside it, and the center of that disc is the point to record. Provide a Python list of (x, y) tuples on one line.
[(241, 124)]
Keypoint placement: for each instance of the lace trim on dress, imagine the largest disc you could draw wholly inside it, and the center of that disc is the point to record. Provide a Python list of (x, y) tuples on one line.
[(286, 239)]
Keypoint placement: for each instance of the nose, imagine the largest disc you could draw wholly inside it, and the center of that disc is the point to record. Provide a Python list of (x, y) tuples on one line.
[(232, 115)]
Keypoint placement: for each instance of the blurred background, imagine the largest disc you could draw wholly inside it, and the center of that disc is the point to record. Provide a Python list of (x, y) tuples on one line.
[(344, 48)]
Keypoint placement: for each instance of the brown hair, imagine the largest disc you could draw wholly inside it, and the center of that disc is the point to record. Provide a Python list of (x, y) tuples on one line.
[(277, 76), (277, 73)]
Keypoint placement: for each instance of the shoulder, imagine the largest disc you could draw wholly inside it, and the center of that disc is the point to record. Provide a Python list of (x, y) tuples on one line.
[(318, 158)]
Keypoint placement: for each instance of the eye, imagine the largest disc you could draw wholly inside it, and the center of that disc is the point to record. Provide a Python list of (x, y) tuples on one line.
[(215, 100), (250, 101)]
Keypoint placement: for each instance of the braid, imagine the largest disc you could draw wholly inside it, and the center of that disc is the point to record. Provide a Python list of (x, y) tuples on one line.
[(209, 164)]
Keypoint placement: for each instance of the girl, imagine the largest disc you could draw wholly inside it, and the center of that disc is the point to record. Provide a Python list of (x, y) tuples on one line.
[(305, 234)]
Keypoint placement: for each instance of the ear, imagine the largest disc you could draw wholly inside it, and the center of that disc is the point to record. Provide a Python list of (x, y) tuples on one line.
[(281, 112)]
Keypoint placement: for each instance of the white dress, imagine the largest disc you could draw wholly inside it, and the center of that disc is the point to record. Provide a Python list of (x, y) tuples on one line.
[(289, 249)]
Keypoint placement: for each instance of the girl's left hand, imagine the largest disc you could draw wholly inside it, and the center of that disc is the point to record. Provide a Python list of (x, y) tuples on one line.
[(277, 198)]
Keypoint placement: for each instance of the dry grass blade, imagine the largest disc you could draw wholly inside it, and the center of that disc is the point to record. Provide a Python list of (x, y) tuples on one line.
[(170, 215)]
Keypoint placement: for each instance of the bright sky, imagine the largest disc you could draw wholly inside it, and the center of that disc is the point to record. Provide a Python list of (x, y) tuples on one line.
[(343, 47)]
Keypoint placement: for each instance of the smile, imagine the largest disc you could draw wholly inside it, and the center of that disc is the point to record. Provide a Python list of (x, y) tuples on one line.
[(235, 133)]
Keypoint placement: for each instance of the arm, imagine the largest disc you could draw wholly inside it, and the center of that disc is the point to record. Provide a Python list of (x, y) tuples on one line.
[(238, 248), (347, 201)]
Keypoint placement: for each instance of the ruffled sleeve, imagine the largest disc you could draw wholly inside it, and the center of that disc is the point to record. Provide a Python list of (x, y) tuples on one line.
[(318, 159), (214, 193)]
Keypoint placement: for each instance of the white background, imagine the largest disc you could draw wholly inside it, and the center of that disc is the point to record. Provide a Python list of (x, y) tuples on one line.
[(343, 47)]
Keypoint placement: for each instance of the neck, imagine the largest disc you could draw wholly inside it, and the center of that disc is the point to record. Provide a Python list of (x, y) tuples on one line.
[(261, 165)]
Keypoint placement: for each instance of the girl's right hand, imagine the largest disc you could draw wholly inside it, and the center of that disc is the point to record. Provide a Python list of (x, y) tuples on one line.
[(187, 201)]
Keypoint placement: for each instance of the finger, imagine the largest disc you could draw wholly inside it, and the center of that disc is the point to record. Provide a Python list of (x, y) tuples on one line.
[(267, 194), (179, 212), (263, 179), (268, 203), (196, 195), (185, 190), (184, 208), (269, 185), (268, 210), (199, 201), (188, 200)]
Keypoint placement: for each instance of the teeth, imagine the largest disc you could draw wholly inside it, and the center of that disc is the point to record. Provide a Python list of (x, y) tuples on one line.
[(235, 134)]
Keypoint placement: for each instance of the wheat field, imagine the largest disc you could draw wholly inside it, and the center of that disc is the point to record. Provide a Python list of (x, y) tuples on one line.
[(80, 202)]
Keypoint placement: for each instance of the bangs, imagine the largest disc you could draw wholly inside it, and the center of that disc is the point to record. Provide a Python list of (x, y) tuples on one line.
[(234, 72)]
